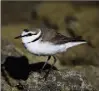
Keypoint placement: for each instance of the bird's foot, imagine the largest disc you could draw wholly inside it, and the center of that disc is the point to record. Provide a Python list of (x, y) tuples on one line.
[(41, 71), (20, 86), (45, 75)]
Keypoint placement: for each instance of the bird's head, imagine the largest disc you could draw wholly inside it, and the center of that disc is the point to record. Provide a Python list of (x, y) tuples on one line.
[(28, 36)]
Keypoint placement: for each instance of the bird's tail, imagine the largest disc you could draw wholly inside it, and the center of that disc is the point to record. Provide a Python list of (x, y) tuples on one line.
[(76, 43)]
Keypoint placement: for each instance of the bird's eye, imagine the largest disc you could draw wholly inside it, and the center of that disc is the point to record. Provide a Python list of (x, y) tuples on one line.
[(30, 34)]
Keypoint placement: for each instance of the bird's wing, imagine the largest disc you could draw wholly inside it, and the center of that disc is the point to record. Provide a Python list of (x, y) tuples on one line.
[(48, 34), (56, 38), (61, 39)]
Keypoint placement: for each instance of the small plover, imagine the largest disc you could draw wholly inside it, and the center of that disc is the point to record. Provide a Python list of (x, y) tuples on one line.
[(34, 43)]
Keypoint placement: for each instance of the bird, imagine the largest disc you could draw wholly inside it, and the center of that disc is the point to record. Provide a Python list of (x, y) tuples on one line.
[(36, 44)]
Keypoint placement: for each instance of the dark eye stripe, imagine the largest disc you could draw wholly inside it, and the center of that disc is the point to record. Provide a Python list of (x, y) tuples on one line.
[(34, 34), (29, 34)]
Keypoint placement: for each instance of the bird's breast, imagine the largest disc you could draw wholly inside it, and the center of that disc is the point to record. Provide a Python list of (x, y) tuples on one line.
[(45, 48)]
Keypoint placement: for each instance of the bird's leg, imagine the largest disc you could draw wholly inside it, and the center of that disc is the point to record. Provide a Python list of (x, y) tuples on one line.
[(46, 75), (46, 62)]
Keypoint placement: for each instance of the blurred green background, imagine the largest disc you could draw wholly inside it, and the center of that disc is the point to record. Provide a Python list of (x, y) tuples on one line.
[(17, 15)]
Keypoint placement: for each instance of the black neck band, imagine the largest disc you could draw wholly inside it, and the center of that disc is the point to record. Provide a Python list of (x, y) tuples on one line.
[(36, 39)]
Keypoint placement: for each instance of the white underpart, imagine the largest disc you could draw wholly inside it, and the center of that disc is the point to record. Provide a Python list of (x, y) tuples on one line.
[(46, 48)]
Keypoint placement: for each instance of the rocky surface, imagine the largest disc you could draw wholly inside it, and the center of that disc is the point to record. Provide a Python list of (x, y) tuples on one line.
[(7, 49), (64, 80), (81, 64), (19, 75)]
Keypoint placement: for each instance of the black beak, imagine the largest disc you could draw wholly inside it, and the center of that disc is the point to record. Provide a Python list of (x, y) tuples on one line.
[(18, 37)]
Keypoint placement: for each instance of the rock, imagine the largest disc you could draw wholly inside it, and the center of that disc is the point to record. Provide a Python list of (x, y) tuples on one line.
[(16, 74), (64, 80), (8, 49)]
